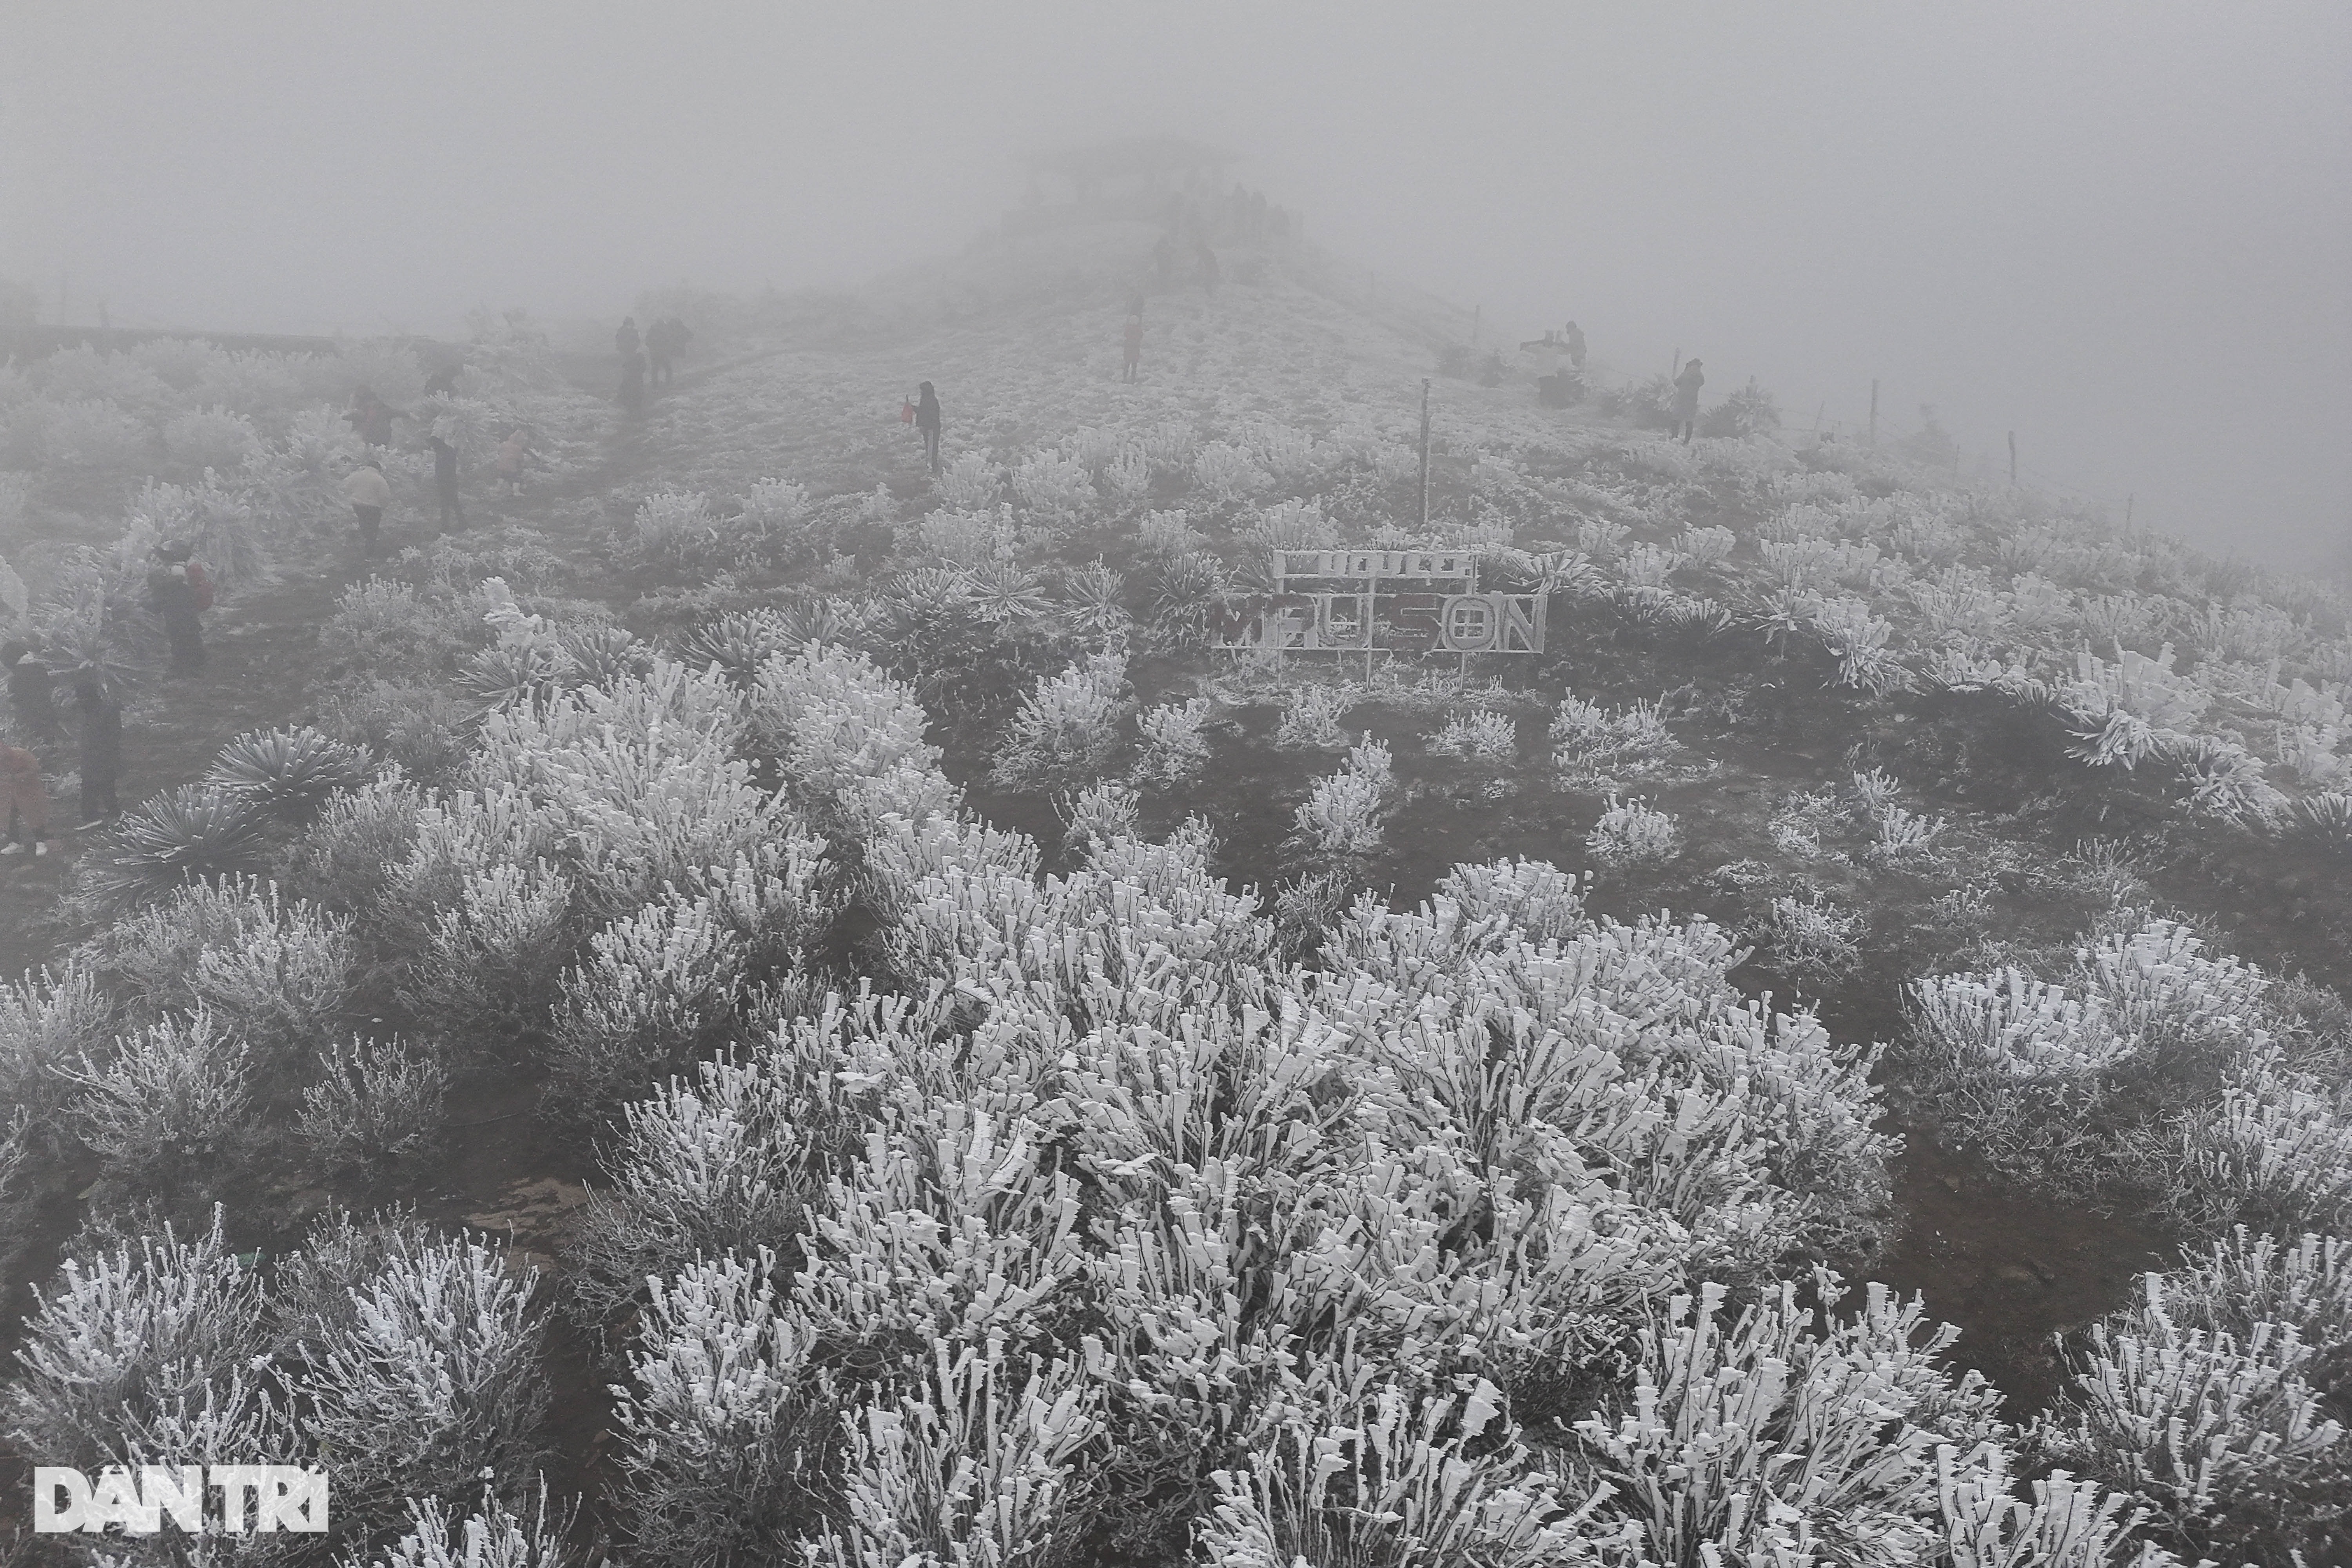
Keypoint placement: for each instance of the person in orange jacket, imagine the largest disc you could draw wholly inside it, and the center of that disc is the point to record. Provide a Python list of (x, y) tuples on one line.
[(28, 801)]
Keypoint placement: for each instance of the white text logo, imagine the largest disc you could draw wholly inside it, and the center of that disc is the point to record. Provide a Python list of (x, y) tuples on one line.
[(257, 1497)]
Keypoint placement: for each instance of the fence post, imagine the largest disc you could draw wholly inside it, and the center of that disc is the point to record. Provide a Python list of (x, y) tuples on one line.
[(2013, 459)]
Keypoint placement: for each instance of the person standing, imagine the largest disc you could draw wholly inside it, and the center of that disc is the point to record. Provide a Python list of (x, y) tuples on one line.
[(625, 341), (445, 484), (180, 591), (1207, 257), (369, 493), (443, 383), (1575, 338), (1134, 346), (101, 749), (371, 417), (657, 353), (633, 383), (31, 691), (926, 420), (1687, 387), (25, 799), (513, 453)]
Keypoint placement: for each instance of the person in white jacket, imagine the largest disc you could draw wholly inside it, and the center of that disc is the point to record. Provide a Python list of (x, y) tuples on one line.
[(369, 494)]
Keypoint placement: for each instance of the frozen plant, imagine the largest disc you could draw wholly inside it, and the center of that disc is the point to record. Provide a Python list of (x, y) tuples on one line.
[(172, 1101), (1310, 718), (971, 483), (190, 833), (376, 1100), (428, 1375), (1167, 533), (288, 773), (1481, 735), (1175, 745), (653, 988), (122, 1337), (1065, 732), (674, 525), (1631, 836), (1050, 485), (1593, 747), (48, 1021), (1903, 835), (490, 1537), (1226, 473), (1101, 813), (1812, 941), (1345, 814), (1875, 790)]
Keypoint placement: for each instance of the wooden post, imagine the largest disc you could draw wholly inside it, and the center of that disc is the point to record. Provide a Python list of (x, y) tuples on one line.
[(2013, 459), (1424, 456), (2128, 512), (1874, 411), (1824, 408), (1679, 363)]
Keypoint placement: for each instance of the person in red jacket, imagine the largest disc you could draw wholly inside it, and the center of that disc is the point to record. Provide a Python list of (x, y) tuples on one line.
[(26, 801)]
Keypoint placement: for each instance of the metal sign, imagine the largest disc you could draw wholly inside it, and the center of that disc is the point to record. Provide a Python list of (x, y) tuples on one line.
[(1388, 601)]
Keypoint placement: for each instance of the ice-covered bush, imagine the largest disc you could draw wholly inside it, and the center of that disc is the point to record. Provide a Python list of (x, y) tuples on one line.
[(288, 773), (1595, 747), (1310, 718), (971, 483), (47, 1022), (275, 972), (652, 989), (1481, 735), (125, 1336), (427, 1376), (1175, 747), (1344, 818), (675, 526), (190, 832), (374, 1101), (2214, 1396), (170, 1105), (1049, 485), (1065, 733), (1811, 939), (1226, 473), (848, 739), (1631, 836), (210, 438), (492, 1536)]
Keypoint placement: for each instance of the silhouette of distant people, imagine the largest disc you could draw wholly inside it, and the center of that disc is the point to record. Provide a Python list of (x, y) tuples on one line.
[(1134, 346), (664, 339), (178, 591), (926, 420), (625, 341), (101, 749), (1687, 387), (1574, 339)]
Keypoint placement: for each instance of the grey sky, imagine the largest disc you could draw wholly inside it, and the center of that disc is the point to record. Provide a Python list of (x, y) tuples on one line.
[(2123, 230)]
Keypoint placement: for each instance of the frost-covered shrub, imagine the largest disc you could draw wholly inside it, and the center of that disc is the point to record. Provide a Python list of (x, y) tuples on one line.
[(374, 1101), (2273, 1150), (121, 1341), (966, 538), (1631, 836), (848, 739), (1595, 747), (170, 1106), (489, 1537), (720, 1438), (1175, 747), (652, 990), (1226, 473), (1290, 525), (1167, 533), (91, 436), (426, 1377), (1811, 941), (1065, 733), (190, 832), (1480, 735), (487, 967), (971, 483), (774, 507), (288, 773), (275, 972), (675, 526), (395, 631), (1904, 837), (1101, 813), (2212, 1395), (1344, 816), (973, 1463), (47, 1022), (1053, 485), (1310, 718), (344, 859), (210, 438)]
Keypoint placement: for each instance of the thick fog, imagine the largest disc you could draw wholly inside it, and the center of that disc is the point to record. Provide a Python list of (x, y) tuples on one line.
[(2122, 231)]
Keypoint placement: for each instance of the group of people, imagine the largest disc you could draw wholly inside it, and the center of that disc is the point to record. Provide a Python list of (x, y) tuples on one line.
[(648, 354), (369, 492), (1238, 217), (96, 708)]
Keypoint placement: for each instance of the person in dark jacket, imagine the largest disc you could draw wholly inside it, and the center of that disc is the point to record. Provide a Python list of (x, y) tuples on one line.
[(371, 417), (445, 484), (1575, 339), (926, 420), (31, 692), (171, 595), (101, 749), (443, 383), (1687, 387), (627, 341)]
